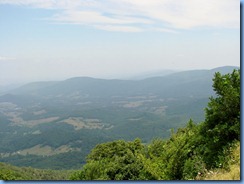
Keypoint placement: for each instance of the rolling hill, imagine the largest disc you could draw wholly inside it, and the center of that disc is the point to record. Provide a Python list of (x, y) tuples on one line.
[(55, 124)]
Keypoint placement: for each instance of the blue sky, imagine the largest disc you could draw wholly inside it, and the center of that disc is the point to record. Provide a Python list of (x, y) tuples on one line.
[(54, 40)]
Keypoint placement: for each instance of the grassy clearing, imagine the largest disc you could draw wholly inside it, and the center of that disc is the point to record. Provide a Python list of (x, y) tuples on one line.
[(233, 171)]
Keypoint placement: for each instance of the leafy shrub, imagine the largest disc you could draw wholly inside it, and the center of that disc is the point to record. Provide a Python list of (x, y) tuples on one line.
[(222, 122)]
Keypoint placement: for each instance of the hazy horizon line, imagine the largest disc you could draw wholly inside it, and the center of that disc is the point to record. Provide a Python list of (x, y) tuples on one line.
[(112, 77)]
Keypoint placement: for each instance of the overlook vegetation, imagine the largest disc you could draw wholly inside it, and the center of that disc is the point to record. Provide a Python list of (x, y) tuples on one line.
[(206, 150), (9, 172)]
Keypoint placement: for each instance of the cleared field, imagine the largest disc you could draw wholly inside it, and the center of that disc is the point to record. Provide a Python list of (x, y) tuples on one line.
[(17, 120), (45, 150), (79, 123)]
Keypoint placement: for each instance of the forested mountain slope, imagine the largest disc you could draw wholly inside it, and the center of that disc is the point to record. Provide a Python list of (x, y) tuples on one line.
[(190, 153), (55, 124), (207, 150)]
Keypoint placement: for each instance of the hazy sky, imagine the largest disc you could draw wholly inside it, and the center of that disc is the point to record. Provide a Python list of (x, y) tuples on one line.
[(58, 39)]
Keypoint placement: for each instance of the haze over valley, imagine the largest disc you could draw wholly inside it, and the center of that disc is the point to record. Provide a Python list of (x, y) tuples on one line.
[(67, 118)]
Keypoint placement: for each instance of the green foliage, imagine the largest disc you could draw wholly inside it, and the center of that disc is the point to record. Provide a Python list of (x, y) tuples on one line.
[(9, 175), (118, 160), (9, 172), (160, 160), (222, 123), (179, 153), (232, 171)]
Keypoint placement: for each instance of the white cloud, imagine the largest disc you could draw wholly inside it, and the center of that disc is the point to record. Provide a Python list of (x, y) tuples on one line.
[(132, 15), (52, 4), (186, 14), (93, 17), (119, 28)]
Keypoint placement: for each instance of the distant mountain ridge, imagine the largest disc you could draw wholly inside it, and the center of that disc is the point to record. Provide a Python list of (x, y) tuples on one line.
[(151, 74), (113, 87)]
